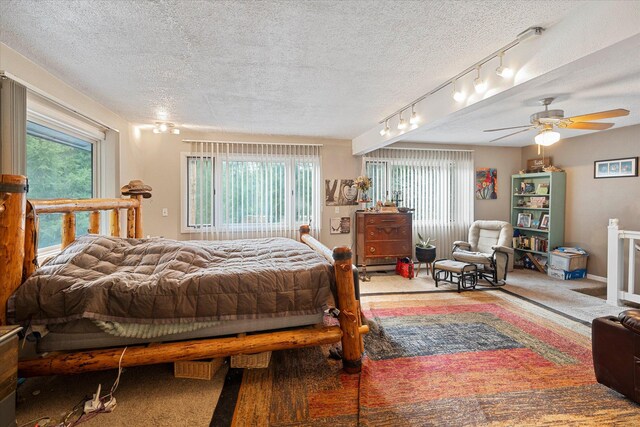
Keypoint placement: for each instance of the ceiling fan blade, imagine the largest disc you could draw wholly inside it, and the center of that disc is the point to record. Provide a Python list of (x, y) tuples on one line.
[(515, 127), (589, 126), (599, 116), (511, 134)]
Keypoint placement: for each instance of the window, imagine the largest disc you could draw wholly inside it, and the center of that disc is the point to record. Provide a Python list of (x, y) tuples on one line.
[(247, 190), (437, 183), (58, 166)]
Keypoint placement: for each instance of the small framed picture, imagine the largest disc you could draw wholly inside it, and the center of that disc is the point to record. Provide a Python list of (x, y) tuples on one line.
[(615, 168), (524, 220), (544, 222)]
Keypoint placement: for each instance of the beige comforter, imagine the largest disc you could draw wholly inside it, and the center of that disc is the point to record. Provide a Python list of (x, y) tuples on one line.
[(165, 281)]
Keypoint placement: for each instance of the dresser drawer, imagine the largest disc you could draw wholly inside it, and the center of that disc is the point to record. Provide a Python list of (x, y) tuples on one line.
[(394, 249), (388, 232), (387, 219)]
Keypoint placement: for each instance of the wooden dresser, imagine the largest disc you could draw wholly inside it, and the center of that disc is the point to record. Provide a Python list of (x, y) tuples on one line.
[(381, 238)]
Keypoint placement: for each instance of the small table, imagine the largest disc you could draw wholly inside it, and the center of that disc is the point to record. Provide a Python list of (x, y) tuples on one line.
[(459, 273)]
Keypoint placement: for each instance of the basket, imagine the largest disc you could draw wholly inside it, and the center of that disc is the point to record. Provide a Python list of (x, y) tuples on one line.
[(197, 369), (252, 361)]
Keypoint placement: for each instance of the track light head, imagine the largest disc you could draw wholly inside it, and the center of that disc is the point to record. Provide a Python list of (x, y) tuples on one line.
[(502, 71), (458, 95), (414, 119), (478, 83), (402, 123), (385, 130)]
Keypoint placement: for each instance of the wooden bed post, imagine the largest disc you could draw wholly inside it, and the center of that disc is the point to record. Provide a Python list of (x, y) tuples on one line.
[(304, 229), (349, 311), (114, 224), (94, 222), (131, 223), (30, 263), (13, 206), (138, 209), (68, 228)]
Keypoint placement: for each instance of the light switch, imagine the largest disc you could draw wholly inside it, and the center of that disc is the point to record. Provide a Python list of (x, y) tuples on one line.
[(337, 210), (165, 212)]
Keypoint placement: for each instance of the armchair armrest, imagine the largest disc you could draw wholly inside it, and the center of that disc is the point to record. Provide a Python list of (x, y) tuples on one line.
[(630, 319), (462, 245), (503, 249)]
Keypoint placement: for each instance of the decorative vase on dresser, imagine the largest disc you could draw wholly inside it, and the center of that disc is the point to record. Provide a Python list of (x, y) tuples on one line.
[(382, 238)]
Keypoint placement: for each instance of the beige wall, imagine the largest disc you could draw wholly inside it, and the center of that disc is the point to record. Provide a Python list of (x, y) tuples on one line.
[(161, 170), (591, 202)]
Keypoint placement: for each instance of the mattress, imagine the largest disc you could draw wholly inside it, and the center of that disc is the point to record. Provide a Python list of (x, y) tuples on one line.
[(84, 334)]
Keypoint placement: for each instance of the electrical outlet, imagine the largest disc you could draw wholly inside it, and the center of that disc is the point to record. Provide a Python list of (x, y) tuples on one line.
[(337, 210), (165, 212)]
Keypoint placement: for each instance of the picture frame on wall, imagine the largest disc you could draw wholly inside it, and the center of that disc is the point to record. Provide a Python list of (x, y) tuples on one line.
[(615, 168)]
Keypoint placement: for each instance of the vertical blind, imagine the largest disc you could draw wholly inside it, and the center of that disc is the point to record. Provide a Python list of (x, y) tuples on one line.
[(250, 190), (439, 184)]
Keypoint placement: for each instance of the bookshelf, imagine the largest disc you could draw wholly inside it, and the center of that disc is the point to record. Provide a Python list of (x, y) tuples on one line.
[(534, 195)]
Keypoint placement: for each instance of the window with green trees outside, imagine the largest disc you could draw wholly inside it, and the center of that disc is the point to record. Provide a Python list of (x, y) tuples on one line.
[(58, 166)]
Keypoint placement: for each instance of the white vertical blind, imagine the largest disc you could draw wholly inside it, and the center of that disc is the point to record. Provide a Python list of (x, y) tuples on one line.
[(439, 184), (250, 190)]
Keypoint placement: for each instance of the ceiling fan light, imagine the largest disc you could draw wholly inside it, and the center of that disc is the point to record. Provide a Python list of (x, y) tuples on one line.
[(547, 137), (163, 127)]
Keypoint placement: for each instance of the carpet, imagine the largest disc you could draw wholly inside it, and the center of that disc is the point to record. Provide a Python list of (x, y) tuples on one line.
[(477, 358)]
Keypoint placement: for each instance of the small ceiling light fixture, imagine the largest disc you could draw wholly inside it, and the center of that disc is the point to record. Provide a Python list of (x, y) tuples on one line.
[(547, 137), (458, 95), (479, 84), (502, 71), (385, 130), (414, 116), (402, 123), (162, 127)]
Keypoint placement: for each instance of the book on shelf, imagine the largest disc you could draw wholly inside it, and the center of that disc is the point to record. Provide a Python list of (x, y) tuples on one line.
[(532, 243)]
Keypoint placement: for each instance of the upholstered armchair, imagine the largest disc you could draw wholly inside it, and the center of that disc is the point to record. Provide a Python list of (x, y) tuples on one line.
[(489, 246)]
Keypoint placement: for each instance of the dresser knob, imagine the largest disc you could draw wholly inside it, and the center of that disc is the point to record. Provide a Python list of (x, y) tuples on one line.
[(372, 249)]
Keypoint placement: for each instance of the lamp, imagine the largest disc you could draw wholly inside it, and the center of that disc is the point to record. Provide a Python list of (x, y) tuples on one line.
[(479, 84), (414, 116), (385, 130), (547, 137), (164, 127), (458, 95), (402, 123), (502, 71)]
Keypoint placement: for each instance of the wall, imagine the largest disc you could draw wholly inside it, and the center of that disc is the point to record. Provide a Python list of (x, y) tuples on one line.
[(161, 170), (591, 202), (123, 161)]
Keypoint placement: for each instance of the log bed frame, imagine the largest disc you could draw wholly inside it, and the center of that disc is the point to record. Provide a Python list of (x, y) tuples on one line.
[(18, 260)]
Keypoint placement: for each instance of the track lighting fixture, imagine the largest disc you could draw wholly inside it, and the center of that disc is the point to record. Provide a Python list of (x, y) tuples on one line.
[(414, 116), (385, 130), (502, 71), (162, 127), (458, 95), (479, 84), (402, 123)]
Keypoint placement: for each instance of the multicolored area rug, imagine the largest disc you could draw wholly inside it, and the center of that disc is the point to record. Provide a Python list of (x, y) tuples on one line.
[(477, 358)]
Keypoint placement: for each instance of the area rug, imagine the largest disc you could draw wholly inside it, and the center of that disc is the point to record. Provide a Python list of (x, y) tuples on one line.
[(477, 358)]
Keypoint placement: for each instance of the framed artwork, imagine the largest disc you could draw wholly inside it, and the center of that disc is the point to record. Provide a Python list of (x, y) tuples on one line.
[(340, 225), (340, 192), (486, 183), (524, 220), (615, 168), (537, 165), (544, 222)]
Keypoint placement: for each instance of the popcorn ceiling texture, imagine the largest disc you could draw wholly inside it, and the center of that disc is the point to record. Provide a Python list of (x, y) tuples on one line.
[(315, 68)]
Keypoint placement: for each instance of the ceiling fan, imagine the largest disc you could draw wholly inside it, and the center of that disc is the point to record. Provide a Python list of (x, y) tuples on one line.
[(546, 120)]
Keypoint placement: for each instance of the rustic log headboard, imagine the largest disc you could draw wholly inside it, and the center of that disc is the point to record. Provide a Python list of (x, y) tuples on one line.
[(19, 228)]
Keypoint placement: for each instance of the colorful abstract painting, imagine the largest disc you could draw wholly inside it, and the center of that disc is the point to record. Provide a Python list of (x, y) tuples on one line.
[(486, 183)]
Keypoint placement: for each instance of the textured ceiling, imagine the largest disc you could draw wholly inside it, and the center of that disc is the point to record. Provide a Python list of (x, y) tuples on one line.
[(609, 84), (316, 68)]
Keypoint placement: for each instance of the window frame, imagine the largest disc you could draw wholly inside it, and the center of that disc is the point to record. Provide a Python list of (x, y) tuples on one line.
[(218, 225), (97, 157)]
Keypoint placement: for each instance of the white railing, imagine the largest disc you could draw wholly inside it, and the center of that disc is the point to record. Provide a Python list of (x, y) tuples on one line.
[(617, 294)]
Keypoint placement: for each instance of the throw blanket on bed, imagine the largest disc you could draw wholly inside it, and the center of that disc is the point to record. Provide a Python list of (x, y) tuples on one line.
[(162, 281)]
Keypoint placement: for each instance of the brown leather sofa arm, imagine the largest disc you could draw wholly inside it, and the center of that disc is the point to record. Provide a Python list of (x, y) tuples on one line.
[(630, 319)]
